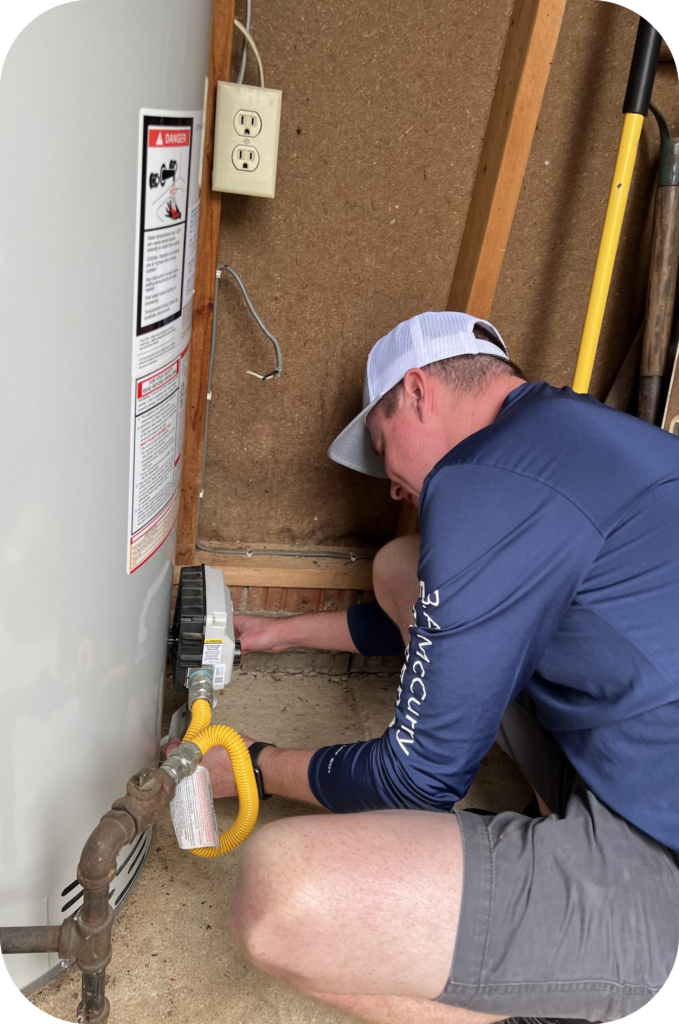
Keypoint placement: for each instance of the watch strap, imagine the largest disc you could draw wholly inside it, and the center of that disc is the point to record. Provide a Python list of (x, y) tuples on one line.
[(255, 750)]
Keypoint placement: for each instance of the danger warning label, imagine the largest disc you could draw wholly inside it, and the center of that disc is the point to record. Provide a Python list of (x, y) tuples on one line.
[(166, 174), (168, 203)]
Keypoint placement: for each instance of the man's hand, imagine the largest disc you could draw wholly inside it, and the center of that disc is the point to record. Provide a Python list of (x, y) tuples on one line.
[(285, 772), (218, 763), (260, 633)]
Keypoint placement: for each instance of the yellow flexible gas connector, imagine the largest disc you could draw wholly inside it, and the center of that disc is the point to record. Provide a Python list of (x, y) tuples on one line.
[(246, 787), (201, 716), (207, 736)]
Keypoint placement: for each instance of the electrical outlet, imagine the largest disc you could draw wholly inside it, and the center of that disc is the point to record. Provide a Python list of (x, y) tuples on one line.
[(247, 123), (246, 112), (245, 158)]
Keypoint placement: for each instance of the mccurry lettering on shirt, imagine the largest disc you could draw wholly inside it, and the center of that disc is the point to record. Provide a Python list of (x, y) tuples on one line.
[(416, 688)]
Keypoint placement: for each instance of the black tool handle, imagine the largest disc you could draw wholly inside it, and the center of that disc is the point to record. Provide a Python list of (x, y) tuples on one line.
[(642, 72)]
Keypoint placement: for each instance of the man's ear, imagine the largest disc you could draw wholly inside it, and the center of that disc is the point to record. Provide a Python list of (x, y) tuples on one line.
[(417, 391)]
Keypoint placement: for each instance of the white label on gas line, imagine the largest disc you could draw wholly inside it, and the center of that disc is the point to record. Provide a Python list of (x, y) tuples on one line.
[(219, 680), (212, 651), (168, 197), (193, 812)]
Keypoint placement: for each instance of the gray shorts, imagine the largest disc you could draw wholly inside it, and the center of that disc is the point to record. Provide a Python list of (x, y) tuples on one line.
[(575, 915)]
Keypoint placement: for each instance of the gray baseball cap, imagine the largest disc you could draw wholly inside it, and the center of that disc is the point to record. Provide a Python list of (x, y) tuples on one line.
[(423, 339)]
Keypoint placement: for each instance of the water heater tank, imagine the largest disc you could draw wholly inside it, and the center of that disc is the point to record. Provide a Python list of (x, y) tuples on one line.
[(101, 109)]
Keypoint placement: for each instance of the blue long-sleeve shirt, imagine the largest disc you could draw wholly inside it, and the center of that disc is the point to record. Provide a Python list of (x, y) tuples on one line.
[(549, 561)]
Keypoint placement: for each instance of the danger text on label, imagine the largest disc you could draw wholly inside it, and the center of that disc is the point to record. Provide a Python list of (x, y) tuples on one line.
[(169, 137)]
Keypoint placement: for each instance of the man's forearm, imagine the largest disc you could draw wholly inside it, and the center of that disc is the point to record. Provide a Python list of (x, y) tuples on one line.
[(326, 631), (286, 773)]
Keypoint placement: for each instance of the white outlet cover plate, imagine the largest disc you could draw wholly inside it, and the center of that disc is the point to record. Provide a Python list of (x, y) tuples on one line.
[(259, 179)]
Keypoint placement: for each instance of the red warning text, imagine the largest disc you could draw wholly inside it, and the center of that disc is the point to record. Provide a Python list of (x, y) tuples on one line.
[(169, 137), (157, 380)]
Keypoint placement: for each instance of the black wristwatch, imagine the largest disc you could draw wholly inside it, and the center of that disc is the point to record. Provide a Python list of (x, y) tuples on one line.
[(255, 749)]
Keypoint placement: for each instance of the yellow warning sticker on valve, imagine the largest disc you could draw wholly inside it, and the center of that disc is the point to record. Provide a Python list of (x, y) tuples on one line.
[(212, 650)]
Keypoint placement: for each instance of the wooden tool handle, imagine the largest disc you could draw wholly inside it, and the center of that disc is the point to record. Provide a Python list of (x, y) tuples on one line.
[(662, 284)]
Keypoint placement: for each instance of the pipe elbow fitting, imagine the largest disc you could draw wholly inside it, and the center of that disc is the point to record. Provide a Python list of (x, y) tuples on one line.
[(97, 865)]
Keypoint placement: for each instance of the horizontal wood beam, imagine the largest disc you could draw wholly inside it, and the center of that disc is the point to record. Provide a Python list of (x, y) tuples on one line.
[(298, 571)]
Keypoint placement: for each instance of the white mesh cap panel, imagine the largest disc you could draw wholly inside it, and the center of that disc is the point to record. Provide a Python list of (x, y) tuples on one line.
[(425, 339)]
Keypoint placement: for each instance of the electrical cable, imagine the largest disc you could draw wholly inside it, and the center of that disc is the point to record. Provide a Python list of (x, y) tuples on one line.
[(348, 557), (253, 47), (279, 355), (213, 339), (345, 556), (244, 55)]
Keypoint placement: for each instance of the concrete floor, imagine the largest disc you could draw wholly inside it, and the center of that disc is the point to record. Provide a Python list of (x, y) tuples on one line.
[(173, 956)]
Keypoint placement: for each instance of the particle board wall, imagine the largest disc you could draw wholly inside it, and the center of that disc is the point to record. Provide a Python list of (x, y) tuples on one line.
[(384, 111)]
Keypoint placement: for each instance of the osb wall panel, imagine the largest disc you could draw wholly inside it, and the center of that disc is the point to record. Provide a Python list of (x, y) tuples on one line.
[(384, 110)]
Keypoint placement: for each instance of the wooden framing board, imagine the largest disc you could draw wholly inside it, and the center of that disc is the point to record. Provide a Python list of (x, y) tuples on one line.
[(277, 600), (531, 41), (301, 571), (203, 298), (529, 50)]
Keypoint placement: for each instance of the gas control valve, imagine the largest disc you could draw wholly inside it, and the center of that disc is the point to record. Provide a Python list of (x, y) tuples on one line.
[(202, 629)]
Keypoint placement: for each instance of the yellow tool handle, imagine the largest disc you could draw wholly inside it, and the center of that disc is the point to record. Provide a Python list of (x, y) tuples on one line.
[(610, 238)]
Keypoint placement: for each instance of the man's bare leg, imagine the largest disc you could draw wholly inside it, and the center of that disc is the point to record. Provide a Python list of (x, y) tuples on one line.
[(360, 910), (401, 1010)]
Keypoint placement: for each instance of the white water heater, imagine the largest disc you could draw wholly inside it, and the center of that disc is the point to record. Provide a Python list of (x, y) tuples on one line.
[(101, 111)]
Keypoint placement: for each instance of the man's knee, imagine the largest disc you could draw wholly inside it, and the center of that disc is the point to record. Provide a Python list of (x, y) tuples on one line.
[(255, 897), (270, 906), (395, 578), (397, 560)]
